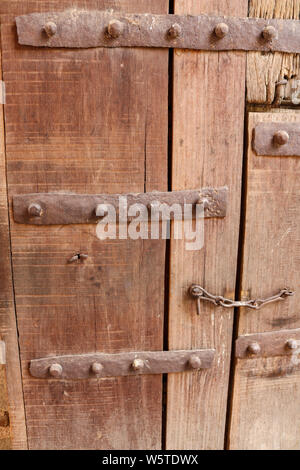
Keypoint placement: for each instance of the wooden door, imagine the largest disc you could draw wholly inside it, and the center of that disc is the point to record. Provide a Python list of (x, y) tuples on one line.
[(137, 120)]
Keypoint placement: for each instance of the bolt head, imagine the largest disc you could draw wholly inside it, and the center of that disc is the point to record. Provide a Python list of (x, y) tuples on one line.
[(175, 31), (254, 348), (221, 30), (269, 33), (97, 368), (138, 364), (50, 28), (195, 362), (281, 138), (292, 344), (55, 370), (35, 210), (115, 28)]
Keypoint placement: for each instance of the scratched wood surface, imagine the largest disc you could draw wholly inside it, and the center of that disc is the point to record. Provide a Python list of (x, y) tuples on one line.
[(208, 149), (86, 121), (266, 398), (264, 70), (11, 402)]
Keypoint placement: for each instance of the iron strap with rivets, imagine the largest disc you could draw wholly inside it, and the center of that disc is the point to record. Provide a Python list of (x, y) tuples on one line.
[(201, 294), (86, 28)]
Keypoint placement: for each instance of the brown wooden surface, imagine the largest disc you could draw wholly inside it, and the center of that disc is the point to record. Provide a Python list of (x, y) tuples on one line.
[(13, 402), (266, 394), (86, 121), (265, 70), (207, 147)]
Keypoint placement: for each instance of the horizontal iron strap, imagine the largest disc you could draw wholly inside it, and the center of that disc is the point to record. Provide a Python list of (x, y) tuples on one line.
[(275, 343), (280, 139), (84, 29), (66, 208), (84, 366)]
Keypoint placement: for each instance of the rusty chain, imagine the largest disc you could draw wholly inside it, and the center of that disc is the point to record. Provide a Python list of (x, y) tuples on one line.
[(201, 294)]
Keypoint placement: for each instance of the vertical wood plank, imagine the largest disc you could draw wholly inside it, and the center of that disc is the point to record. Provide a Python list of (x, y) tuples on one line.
[(88, 121), (209, 91), (12, 403), (266, 397)]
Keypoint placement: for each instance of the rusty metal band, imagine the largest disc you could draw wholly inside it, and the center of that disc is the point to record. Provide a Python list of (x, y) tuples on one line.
[(101, 365), (277, 343), (64, 209), (281, 139), (85, 29)]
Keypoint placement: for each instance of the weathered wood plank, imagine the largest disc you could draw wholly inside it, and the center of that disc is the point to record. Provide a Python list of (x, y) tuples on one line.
[(266, 397), (13, 403), (265, 70), (87, 121), (208, 147)]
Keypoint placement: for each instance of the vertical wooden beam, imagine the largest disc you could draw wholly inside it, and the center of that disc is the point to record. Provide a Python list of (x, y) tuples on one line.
[(266, 395), (12, 403), (209, 92), (88, 120)]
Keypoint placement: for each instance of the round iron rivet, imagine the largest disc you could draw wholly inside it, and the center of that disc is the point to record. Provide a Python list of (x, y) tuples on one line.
[(35, 210), (221, 30), (97, 368), (55, 370), (195, 362), (138, 364), (50, 28), (174, 32), (115, 29), (292, 344), (269, 33), (281, 138), (254, 348)]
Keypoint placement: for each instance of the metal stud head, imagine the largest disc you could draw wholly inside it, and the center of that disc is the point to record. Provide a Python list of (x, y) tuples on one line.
[(281, 138), (253, 348), (115, 29), (221, 30), (175, 31), (195, 362), (55, 370), (138, 364), (269, 33), (50, 28), (292, 344), (97, 368), (35, 210)]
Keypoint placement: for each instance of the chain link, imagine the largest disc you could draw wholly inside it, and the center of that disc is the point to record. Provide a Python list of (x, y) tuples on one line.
[(201, 294)]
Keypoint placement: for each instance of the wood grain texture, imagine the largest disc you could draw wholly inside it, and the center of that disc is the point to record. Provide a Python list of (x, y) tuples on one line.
[(264, 70), (266, 398), (86, 121), (207, 147), (13, 403)]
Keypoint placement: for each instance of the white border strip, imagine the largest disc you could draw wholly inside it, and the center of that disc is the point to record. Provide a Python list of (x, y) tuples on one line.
[(2, 353)]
